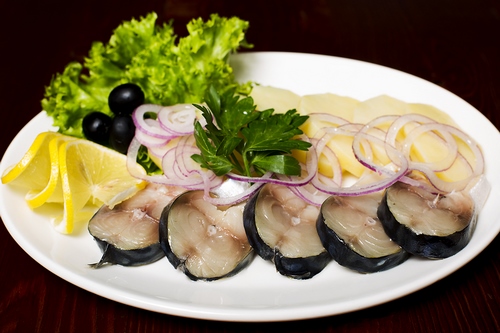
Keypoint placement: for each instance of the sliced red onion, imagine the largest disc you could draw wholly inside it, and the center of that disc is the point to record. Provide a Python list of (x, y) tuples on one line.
[(150, 128), (356, 190), (178, 119), (361, 146), (158, 152), (328, 118), (459, 185), (234, 199), (149, 140), (445, 138), (323, 150), (310, 194), (400, 122), (180, 169), (132, 152), (389, 174), (191, 179)]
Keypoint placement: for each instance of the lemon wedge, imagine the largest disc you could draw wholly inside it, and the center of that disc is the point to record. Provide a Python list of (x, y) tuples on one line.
[(92, 174), (36, 161), (76, 175), (38, 170)]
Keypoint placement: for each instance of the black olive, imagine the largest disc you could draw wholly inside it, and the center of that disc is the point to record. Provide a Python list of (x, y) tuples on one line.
[(125, 98), (121, 133), (96, 126)]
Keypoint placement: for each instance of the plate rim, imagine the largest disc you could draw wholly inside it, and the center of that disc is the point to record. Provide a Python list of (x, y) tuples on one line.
[(202, 311)]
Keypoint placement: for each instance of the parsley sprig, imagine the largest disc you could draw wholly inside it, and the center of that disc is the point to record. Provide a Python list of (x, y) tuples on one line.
[(238, 138)]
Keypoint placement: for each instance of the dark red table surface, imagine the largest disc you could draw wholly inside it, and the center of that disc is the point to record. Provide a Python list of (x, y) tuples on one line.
[(454, 44)]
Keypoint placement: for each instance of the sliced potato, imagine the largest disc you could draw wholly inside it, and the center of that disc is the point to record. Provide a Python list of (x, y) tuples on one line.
[(340, 106), (431, 112), (379, 106), (425, 148), (268, 97)]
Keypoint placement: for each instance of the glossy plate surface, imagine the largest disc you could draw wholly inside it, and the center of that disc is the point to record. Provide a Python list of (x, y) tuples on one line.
[(259, 293)]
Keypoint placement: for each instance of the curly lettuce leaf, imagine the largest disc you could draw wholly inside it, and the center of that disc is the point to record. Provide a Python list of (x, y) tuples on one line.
[(111, 60), (145, 53), (67, 99), (181, 73)]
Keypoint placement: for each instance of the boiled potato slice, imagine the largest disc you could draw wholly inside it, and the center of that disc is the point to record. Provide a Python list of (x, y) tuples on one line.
[(268, 97), (431, 112), (340, 106), (341, 145), (379, 106), (425, 148)]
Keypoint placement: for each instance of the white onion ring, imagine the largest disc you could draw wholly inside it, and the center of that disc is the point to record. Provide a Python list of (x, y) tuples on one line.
[(329, 118), (148, 128), (178, 119), (310, 194), (323, 149), (149, 140), (446, 138), (459, 185), (180, 170)]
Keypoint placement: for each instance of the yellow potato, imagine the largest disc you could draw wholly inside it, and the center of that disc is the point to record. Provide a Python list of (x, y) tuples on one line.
[(431, 148), (281, 100), (341, 145), (379, 106), (340, 106), (425, 148), (431, 112)]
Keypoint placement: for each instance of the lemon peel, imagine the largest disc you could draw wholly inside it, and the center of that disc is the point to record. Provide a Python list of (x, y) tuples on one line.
[(77, 174), (38, 170)]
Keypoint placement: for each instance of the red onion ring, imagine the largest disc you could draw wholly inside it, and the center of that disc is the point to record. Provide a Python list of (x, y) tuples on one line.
[(149, 140), (180, 170), (459, 185), (148, 128), (446, 138), (178, 119)]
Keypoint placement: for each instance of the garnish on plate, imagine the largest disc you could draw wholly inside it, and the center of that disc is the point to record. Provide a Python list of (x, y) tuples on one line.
[(145, 53), (238, 138)]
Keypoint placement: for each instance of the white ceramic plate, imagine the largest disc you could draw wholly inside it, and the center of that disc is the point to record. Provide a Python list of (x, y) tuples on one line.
[(259, 293)]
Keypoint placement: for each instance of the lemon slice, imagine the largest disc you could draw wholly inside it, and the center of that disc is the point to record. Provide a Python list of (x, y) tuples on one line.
[(53, 190), (38, 170), (92, 174), (33, 170)]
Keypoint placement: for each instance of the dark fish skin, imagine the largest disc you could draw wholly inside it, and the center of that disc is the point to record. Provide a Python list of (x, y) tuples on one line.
[(177, 262), (111, 255), (345, 256), (428, 246), (297, 268), (107, 227), (301, 268)]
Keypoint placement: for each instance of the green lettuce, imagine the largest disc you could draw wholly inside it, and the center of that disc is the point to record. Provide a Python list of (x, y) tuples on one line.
[(149, 55)]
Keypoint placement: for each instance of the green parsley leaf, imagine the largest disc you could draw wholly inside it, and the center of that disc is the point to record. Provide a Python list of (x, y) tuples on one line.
[(238, 138)]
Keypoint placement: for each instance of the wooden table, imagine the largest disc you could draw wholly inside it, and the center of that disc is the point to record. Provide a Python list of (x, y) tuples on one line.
[(451, 43)]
